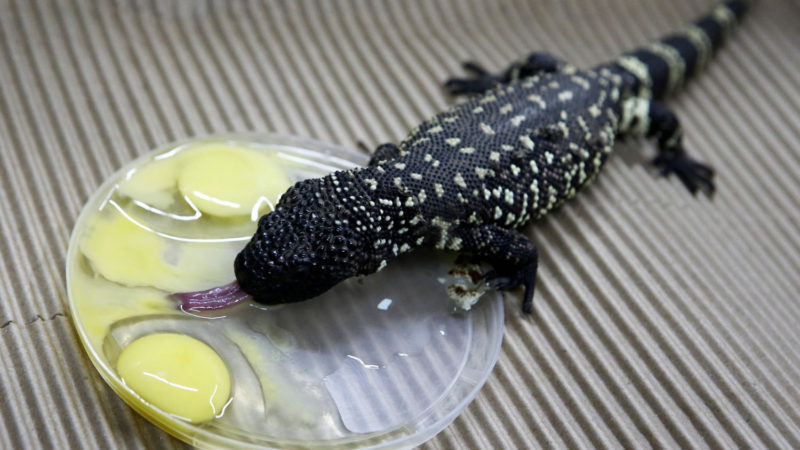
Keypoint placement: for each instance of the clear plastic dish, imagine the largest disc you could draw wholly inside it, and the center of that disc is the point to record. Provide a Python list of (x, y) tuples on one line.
[(378, 362)]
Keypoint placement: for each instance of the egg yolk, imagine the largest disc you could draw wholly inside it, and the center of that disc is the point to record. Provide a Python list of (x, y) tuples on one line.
[(222, 179), (178, 374), (126, 253), (227, 181)]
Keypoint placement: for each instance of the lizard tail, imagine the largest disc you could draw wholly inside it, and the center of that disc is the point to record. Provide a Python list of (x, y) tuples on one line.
[(662, 67)]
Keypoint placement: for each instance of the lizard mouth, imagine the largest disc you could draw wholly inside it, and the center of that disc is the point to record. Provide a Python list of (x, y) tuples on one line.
[(212, 299)]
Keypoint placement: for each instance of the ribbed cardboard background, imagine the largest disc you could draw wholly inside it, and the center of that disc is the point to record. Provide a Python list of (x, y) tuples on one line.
[(660, 319)]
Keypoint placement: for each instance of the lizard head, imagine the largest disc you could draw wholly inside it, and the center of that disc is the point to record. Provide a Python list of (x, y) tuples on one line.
[(301, 249)]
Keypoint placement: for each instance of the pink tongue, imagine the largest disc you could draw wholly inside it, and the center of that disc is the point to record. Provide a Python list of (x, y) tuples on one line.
[(212, 299)]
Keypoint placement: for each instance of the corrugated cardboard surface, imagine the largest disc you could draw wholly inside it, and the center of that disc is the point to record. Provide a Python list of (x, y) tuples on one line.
[(660, 319)]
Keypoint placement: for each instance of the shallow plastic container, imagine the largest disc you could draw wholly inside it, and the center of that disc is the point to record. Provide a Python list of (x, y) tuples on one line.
[(380, 361)]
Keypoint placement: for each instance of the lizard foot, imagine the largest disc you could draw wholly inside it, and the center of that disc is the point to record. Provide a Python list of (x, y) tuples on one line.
[(512, 255), (694, 175), (524, 276), (646, 117), (481, 81)]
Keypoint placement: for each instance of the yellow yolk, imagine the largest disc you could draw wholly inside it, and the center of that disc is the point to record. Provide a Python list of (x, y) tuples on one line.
[(224, 180), (219, 178), (178, 374), (126, 253), (152, 183)]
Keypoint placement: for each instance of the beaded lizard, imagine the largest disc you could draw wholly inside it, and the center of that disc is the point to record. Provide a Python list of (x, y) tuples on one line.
[(466, 178)]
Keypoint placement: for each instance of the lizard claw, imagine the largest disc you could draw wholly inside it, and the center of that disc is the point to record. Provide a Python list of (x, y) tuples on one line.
[(694, 175)]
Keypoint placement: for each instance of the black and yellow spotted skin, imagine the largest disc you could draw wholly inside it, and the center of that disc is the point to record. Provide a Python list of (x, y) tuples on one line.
[(515, 153), (530, 139)]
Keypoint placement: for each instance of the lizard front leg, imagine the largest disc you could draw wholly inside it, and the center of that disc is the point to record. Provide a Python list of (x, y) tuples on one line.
[(513, 257), (482, 80), (384, 152)]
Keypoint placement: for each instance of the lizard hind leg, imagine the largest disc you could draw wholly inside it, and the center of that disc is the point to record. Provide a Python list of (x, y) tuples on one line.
[(644, 117), (672, 157), (482, 80)]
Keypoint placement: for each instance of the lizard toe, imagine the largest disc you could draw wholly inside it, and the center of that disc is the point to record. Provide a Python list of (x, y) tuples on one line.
[(694, 175), (476, 69)]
